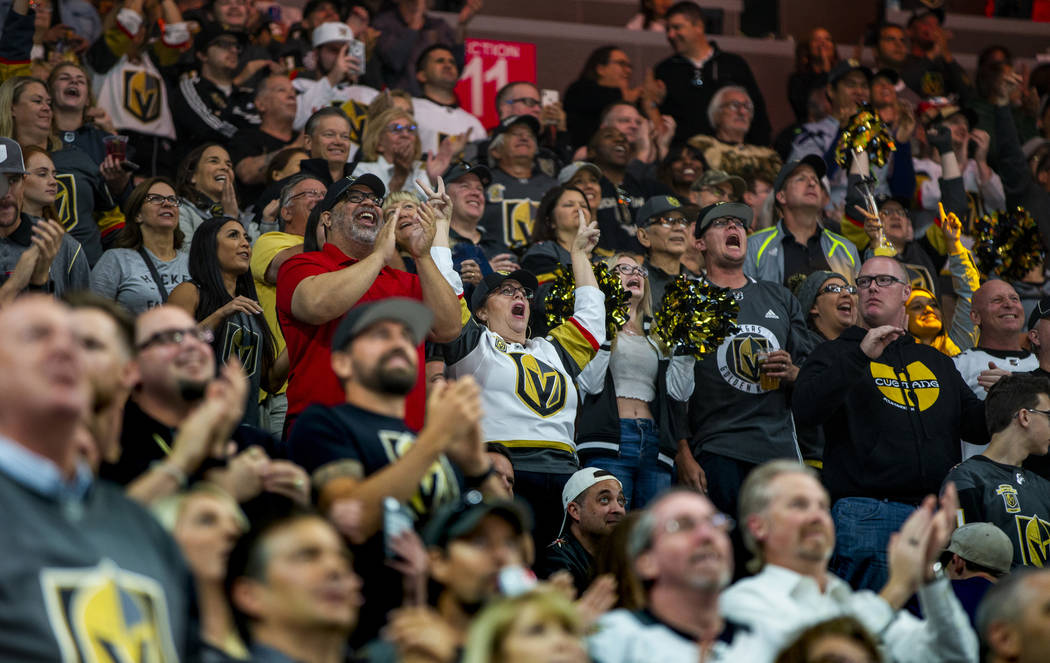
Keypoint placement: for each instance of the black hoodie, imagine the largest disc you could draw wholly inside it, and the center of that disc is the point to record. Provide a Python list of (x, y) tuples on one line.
[(892, 426)]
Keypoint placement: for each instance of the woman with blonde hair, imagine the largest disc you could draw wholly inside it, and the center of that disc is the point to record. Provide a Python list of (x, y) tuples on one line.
[(541, 625), (392, 151), (631, 391)]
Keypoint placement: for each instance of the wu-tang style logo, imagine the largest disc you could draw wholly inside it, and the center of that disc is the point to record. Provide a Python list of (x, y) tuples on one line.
[(1034, 534), (439, 484), (66, 201), (538, 386), (243, 343), (738, 357), (1009, 495), (915, 386), (142, 95), (108, 615)]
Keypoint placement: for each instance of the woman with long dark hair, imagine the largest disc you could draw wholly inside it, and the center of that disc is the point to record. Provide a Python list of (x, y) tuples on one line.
[(221, 296), (205, 184), (558, 218)]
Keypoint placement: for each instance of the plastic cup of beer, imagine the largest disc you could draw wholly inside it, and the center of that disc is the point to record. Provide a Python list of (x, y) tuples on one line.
[(116, 146), (766, 382)]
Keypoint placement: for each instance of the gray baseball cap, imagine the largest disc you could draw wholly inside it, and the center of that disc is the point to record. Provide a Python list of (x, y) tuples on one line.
[(983, 544), (568, 172), (10, 162)]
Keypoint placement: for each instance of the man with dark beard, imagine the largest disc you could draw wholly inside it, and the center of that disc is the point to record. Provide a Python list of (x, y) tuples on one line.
[(361, 452)]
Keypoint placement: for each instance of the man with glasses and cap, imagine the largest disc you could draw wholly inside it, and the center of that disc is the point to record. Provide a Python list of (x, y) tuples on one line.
[(315, 289), (799, 243), (663, 230), (738, 414), (893, 413), (475, 253)]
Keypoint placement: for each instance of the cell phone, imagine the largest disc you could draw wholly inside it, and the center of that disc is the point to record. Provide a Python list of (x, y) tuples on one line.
[(357, 49), (548, 97), (515, 580), (396, 519), (130, 166)]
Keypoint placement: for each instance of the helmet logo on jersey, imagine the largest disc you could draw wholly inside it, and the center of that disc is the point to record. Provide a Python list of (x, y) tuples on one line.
[(1034, 535), (105, 613), (518, 216), (913, 387), (738, 357), (1009, 495), (142, 95), (243, 343), (538, 386), (66, 201)]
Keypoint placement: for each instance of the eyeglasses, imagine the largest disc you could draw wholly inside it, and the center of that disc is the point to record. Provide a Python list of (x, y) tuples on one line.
[(227, 44), (358, 197), (313, 193), (726, 221), (176, 337), (157, 199), (402, 128), (835, 289), (717, 521), (669, 221), (630, 269), (528, 102), (1032, 409), (740, 106), (510, 291), (882, 280)]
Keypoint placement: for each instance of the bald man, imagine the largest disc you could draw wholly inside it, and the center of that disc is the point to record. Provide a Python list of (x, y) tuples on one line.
[(893, 413)]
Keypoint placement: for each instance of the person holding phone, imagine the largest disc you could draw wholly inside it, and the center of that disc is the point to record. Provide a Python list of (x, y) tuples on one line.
[(340, 62)]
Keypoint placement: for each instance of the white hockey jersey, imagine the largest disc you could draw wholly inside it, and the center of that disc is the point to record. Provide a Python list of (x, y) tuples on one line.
[(134, 95), (437, 122)]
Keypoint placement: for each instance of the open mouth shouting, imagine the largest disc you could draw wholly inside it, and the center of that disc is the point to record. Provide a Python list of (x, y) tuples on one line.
[(518, 310)]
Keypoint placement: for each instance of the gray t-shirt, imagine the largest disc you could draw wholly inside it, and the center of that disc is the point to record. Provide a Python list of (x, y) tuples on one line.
[(122, 275)]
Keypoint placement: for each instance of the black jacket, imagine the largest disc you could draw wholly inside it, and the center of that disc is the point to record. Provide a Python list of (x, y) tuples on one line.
[(567, 553), (892, 426), (689, 94)]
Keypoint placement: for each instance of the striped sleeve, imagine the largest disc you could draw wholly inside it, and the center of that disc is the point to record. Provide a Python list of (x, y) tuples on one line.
[(578, 338), (16, 44)]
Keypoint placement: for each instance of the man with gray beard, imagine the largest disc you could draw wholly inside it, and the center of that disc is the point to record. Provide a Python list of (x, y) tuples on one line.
[(315, 289), (785, 516)]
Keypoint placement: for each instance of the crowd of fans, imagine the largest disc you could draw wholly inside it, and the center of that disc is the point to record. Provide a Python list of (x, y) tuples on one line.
[(281, 377)]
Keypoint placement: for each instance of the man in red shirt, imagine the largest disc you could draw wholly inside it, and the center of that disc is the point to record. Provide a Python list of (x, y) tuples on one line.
[(315, 289)]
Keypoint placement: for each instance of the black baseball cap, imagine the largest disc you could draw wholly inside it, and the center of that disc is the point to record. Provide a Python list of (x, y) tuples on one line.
[(1041, 310), (495, 280), (721, 210), (209, 32), (811, 160), (339, 188), (460, 518), (509, 121), (844, 67), (463, 168), (656, 206), (409, 312)]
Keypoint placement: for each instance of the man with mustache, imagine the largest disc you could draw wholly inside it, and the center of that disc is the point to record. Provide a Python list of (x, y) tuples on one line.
[(893, 413), (786, 521), (316, 288), (362, 451)]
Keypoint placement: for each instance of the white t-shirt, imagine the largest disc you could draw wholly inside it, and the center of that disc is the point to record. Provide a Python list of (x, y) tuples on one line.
[(436, 121)]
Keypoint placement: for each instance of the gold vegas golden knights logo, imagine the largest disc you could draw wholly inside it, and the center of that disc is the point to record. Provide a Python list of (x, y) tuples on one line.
[(243, 343), (142, 95), (538, 386), (916, 386), (1034, 534), (105, 614), (438, 486), (66, 201)]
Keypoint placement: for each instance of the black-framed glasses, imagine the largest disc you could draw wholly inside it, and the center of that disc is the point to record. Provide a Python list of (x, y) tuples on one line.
[(835, 289), (176, 337), (358, 197), (510, 291), (528, 102), (881, 280), (157, 199), (669, 221), (1032, 409), (630, 270)]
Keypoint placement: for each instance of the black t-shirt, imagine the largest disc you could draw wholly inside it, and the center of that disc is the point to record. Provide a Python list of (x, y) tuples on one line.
[(251, 143), (803, 259), (346, 440)]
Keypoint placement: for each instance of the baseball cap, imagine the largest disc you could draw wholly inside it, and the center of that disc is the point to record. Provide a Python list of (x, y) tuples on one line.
[(460, 518), (209, 32), (811, 160), (509, 121), (720, 210), (983, 544), (579, 482), (409, 312), (716, 177), (10, 162), (810, 288), (495, 280), (461, 168), (844, 67), (1041, 310), (569, 172), (332, 31), (656, 206), (339, 188)]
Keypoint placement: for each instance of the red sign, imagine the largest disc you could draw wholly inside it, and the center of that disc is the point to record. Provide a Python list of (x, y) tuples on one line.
[(491, 65)]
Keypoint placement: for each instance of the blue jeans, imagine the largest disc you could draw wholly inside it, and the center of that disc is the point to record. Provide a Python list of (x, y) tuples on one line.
[(862, 530), (637, 465)]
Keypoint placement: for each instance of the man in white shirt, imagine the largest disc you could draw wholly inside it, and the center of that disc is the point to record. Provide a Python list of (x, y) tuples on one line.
[(437, 112), (337, 72), (786, 523)]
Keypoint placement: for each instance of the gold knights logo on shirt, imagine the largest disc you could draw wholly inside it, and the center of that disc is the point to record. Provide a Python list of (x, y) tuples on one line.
[(738, 357), (538, 386), (105, 614), (142, 95)]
